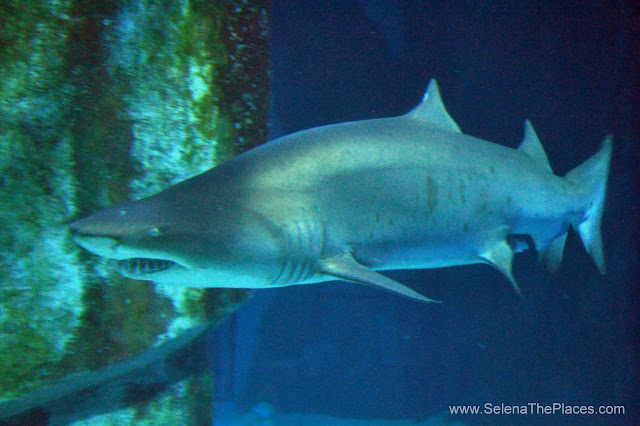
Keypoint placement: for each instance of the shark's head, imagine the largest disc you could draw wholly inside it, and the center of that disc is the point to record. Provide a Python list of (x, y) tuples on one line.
[(179, 242)]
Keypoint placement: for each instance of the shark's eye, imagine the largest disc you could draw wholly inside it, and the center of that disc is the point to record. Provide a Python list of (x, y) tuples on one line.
[(154, 232)]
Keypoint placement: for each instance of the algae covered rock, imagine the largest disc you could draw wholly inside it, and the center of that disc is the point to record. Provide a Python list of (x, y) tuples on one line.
[(102, 102), (41, 277)]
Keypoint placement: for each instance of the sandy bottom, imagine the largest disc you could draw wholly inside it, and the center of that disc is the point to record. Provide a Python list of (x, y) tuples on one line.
[(264, 414)]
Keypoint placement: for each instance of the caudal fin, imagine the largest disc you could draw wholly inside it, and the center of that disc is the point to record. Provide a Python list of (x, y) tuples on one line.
[(592, 174)]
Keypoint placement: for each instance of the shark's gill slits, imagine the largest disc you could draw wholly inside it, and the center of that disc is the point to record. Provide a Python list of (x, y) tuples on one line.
[(141, 266)]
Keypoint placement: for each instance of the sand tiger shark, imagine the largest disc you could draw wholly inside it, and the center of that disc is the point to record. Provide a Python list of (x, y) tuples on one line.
[(344, 201)]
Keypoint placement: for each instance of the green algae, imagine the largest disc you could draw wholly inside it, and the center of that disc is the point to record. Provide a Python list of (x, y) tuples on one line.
[(121, 319), (187, 402), (170, 90), (101, 102), (40, 275)]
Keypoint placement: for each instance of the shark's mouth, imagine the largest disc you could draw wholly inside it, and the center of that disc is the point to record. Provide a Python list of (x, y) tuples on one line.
[(137, 267)]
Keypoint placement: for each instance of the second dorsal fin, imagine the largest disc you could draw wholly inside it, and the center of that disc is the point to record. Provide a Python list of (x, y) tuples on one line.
[(431, 110), (531, 146)]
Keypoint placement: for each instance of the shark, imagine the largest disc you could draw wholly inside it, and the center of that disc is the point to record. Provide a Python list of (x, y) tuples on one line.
[(349, 201)]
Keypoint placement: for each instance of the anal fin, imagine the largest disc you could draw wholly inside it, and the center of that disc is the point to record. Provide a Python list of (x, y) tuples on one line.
[(345, 267), (551, 257)]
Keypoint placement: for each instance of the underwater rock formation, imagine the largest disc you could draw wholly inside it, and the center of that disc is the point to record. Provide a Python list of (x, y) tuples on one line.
[(156, 382), (101, 102)]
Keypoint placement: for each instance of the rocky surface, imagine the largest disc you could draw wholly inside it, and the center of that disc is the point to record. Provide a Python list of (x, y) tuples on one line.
[(101, 102)]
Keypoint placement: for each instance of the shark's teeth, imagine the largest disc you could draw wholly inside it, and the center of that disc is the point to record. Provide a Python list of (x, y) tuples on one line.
[(137, 266)]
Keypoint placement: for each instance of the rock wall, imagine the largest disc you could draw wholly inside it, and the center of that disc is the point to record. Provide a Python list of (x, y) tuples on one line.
[(101, 102)]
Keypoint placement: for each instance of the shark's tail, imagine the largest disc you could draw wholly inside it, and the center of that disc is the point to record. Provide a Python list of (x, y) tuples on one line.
[(592, 175)]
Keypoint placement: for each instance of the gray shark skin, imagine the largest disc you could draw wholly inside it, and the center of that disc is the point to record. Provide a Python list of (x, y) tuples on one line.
[(343, 201)]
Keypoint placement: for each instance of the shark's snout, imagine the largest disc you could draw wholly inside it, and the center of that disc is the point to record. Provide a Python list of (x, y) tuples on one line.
[(81, 227), (131, 263), (121, 220), (102, 246), (117, 233), (91, 234)]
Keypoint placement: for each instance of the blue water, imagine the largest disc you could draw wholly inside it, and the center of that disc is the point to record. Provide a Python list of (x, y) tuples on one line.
[(353, 352)]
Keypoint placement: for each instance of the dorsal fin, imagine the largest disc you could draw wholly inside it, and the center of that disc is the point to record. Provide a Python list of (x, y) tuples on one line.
[(431, 110), (531, 146)]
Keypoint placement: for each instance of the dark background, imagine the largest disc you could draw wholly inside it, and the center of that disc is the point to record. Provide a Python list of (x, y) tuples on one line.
[(572, 69)]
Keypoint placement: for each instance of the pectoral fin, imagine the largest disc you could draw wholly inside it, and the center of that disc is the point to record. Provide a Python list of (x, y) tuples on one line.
[(345, 267)]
